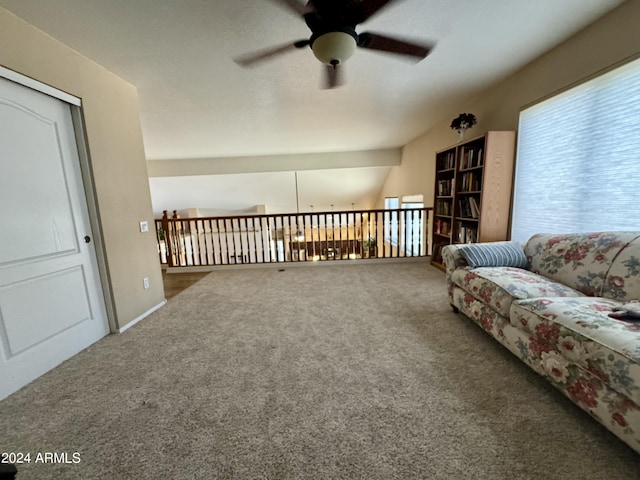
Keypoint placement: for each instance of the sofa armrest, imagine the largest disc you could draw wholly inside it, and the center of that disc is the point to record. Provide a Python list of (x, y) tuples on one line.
[(453, 259)]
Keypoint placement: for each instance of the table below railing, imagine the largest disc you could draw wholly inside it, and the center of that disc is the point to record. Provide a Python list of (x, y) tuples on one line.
[(292, 237)]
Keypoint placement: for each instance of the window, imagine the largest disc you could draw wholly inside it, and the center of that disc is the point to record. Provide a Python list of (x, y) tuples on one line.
[(391, 221), (578, 161)]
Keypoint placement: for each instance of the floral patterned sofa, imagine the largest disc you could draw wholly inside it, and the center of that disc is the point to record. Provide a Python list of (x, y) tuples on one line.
[(553, 312)]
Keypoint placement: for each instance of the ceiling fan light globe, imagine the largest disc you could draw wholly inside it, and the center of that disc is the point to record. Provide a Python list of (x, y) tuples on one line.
[(334, 48)]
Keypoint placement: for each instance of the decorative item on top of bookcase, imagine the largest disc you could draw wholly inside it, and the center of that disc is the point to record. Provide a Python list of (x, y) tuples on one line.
[(473, 191), (462, 123)]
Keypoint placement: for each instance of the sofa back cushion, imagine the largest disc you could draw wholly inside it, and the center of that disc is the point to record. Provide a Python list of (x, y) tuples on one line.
[(623, 278), (494, 254), (588, 262)]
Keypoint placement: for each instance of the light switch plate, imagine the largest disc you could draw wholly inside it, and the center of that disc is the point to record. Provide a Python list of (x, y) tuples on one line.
[(144, 226)]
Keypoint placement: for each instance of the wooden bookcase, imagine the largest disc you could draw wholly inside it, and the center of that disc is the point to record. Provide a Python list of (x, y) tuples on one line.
[(472, 194)]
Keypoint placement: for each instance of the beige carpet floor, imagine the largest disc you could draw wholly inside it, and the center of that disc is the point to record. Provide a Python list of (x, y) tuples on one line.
[(340, 372)]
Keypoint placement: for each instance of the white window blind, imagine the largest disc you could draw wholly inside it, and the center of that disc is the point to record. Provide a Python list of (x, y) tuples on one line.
[(578, 160)]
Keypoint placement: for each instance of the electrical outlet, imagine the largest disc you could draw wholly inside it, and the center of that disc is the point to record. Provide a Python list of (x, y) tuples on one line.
[(144, 226), (145, 282)]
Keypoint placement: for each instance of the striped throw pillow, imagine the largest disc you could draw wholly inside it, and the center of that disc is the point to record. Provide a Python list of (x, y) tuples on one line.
[(494, 254)]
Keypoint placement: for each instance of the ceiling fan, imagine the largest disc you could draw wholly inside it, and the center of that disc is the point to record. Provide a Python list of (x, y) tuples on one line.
[(333, 35)]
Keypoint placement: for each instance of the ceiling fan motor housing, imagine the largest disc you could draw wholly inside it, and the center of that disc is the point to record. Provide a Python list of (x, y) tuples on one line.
[(334, 47)]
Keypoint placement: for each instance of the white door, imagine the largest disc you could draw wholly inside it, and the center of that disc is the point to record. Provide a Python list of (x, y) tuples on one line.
[(51, 302)]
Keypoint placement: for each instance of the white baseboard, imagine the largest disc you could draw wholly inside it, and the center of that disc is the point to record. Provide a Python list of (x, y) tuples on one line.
[(143, 316)]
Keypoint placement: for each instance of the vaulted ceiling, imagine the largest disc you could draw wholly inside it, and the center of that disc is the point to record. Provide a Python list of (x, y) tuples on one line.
[(196, 102)]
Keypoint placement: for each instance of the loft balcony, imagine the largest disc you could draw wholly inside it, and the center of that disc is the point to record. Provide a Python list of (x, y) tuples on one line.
[(210, 242)]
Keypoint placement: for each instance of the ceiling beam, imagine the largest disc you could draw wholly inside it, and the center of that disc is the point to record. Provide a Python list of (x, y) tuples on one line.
[(273, 163)]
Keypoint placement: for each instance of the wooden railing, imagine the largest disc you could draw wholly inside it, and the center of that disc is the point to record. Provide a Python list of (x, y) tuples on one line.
[(295, 237)]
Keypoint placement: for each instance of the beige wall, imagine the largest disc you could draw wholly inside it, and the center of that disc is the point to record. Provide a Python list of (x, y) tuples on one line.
[(607, 42), (110, 108)]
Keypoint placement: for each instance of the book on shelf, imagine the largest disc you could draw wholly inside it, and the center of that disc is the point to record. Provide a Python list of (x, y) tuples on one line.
[(463, 208), (445, 187), (470, 158), (443, 227), (468, 208), (470, 182), (443, 207), (479, 158), (447, 161), (467, 234), (475, 208)]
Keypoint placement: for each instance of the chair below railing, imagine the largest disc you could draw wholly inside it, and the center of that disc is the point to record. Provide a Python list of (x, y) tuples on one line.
[(295, 237)]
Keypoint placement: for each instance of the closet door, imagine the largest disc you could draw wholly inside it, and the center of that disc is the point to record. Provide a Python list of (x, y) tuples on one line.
[(51, 301)]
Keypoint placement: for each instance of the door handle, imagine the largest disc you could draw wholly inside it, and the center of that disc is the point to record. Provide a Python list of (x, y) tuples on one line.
[(87, 239)]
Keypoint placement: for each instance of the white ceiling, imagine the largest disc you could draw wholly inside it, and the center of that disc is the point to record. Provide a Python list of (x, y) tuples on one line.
[(195, 102)]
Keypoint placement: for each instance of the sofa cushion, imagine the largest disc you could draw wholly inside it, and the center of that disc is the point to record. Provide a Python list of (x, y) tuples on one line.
[(579, 331), (623, 278), (580, 260), (499, 286), (494, 254)]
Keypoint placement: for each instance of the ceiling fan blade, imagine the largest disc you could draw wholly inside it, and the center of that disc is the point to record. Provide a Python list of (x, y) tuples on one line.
[(254, 58), (375, 41), (294, 6), (333, 76)]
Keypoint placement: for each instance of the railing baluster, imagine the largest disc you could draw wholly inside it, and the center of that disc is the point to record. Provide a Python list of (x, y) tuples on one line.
[(304, 231), (324, 239), (183, 244), (386, 220), (193, 238), (197, 247), (249, 249), (414, 233), (225, 247), (179, 242), (352, 241), (265, 230), (377, 231), (424, 222), (192, 247), (348, 245), (357, 237), (273, 240), (211, 248), (202, 252), (285, 243), (313, 239), (242, 237), (219, 237), (297, 237), (255, 241), (405, 224), (245, 250), (340, 233), (290, 234)]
